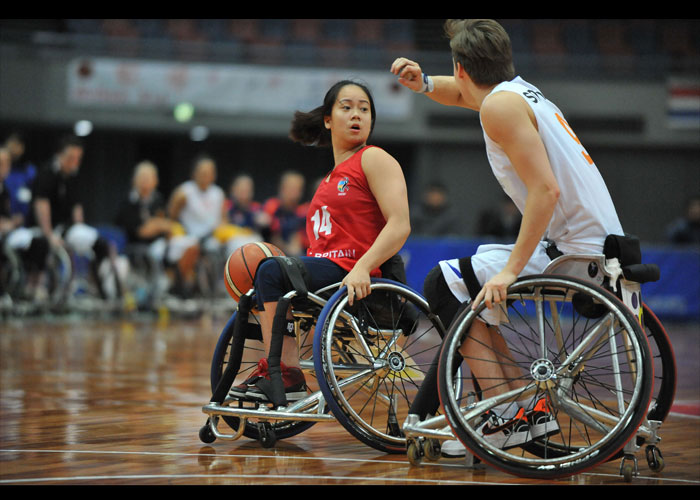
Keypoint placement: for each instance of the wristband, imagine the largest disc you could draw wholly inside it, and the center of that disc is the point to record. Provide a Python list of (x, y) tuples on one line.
[(428, 85)]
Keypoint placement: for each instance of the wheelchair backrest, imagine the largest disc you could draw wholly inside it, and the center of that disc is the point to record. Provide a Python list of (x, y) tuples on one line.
[(618, 269)]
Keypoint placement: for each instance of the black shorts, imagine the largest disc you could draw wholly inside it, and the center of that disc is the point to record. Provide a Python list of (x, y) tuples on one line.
[(271, 285)]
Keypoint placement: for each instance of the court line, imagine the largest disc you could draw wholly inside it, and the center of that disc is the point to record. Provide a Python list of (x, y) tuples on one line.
[(339, 459), (295, 478)]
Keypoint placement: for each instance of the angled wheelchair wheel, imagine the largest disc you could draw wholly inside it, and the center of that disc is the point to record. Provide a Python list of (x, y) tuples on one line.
[(577, 362), (371, 358), (255, 350), (664, 366)]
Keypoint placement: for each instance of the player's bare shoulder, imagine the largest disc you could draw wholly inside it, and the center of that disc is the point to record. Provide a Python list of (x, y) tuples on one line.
[(504, 111), (376, 157)]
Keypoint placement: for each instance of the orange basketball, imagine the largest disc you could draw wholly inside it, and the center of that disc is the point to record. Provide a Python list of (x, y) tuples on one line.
[(241, 265)]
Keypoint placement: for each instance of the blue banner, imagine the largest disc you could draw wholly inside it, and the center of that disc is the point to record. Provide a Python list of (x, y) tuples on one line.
[(676, 296)]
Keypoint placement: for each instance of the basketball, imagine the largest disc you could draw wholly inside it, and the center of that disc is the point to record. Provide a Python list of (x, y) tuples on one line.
[(241, 265)]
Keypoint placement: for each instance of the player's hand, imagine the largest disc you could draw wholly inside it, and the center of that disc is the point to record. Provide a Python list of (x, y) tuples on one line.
[(495, 290), (409, 73), (358, 283)]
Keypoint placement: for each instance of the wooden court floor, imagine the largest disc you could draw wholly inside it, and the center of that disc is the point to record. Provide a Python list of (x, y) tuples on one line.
[(118, 402)]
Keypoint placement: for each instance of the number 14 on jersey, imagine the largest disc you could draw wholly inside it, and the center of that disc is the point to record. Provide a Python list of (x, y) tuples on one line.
[(322, 222)]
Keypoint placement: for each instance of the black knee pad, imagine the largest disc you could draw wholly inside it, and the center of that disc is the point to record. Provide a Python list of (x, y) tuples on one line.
[(101, 249), (37, 253), (440, 299)]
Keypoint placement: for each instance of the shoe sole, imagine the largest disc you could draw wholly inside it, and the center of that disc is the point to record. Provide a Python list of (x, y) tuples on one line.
[(533, 432), (545, 429), (259, 396), (238, 393)]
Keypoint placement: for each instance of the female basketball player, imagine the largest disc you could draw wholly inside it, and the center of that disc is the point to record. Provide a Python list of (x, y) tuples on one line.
[(357, 219), (541, 165)]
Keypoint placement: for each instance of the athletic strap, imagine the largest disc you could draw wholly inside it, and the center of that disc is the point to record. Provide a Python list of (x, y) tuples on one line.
[(295, 273), (274, 387), (239, 324)]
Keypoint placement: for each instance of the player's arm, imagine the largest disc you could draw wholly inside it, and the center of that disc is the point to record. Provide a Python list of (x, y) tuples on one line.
[(508, 120), (444, 89), (388, 185), (176, 204), (42, 213), (78, 214)]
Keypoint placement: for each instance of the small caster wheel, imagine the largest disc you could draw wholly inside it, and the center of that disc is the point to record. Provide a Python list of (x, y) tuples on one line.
[(267, 435), (628, 468), (414, 453), (628, 472), (655, 459), (206, 435), (431, 449)]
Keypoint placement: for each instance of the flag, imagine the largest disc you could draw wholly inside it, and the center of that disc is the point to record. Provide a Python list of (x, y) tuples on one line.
[(684, 103)]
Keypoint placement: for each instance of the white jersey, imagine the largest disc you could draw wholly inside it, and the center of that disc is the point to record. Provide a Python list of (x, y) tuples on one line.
[(584, 214), (203, 209)]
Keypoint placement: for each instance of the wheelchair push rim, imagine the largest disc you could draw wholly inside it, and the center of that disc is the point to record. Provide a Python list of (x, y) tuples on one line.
[(369, 374), (564, 360)]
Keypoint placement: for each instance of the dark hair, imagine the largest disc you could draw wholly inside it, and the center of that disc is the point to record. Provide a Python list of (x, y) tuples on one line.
[(200, 158), (70, 141), (483, 49), (308, 127)]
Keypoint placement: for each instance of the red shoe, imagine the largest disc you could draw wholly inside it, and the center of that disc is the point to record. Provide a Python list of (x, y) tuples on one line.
[(292, 377), (260, 371)]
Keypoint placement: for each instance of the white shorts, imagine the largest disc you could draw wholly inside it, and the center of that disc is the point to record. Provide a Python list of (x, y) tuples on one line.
[(488, 261), (81, 238)]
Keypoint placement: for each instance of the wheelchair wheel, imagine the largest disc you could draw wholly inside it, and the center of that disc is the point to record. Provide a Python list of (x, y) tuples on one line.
[(370, 360), (222, 352), (573, 352), (664, 366)]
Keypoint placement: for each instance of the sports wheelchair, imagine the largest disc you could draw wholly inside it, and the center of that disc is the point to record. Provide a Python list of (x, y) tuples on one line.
[(363, 364), (59, 271), (579, 340)]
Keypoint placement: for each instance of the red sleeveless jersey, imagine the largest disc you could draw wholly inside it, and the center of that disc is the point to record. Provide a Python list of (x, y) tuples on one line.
[(344, 218)]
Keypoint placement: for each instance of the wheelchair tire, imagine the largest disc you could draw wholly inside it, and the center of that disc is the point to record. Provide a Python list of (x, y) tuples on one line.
[(281, 429), (664, 366), (370, 363), (594, 371)]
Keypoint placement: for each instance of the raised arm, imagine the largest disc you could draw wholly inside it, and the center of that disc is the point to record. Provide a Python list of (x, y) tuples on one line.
[(441, 89)]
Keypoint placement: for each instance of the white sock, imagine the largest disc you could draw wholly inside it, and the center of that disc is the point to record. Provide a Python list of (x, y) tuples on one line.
[(528, 404), (506, 410)]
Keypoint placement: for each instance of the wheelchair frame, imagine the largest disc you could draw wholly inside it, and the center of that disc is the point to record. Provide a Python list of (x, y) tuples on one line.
[(425, 438), (322, 405)]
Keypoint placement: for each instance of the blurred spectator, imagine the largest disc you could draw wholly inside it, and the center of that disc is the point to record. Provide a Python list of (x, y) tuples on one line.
[(198, 206), (29, 246), (142, 216), (21, 176), (686, 229), (244, 214), (58, 211), (434, 215), (502, 222), (287, 213)]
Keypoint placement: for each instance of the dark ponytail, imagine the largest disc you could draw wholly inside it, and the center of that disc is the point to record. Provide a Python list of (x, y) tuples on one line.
[(308, 128)]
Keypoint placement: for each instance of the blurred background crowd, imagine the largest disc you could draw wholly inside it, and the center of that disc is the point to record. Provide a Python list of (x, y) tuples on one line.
[(118, 194)]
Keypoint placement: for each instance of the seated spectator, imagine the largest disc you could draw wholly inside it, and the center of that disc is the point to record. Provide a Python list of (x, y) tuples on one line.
[(501, 222), (244, 215), (434, 215), (58, 212), (29, 245), (142, 217), (287, 214), (198, 206), (21, 176), (686, 229)]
